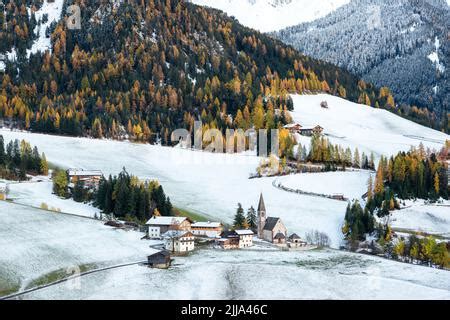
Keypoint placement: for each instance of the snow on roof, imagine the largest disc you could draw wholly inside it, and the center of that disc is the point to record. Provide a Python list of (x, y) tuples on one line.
[(208, 224), (81, 172), (244, 232), (311, 127), (292, 125), (177, 234), (165, 221)]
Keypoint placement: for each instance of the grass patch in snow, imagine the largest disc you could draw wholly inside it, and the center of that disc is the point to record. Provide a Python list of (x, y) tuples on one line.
[(8, 286), (57, 275), (191, 215), (333, 262)]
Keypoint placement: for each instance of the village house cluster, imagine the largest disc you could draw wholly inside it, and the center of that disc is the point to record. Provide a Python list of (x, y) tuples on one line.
[(179, 235), (304, 130)]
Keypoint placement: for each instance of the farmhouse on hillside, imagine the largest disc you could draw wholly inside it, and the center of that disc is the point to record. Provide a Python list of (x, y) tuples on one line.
[(293, 127), (90, 178), (271, 229), (179, 241), (309, 131), (156, 226), (160, 260), (207, 229)]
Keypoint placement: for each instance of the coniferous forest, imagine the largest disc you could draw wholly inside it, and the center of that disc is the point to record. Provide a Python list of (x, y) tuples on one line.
[(125, 196), (19, 158), (169, 63)]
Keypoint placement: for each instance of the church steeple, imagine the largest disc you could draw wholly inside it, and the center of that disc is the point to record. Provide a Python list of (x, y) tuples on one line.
[(261, 205), (261, 216)]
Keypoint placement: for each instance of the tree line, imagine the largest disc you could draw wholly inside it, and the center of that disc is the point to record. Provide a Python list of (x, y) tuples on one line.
[(332, 155), (125, 196), (408, 175), (122, 196), (19, 158), (242, 221), (170, 63)]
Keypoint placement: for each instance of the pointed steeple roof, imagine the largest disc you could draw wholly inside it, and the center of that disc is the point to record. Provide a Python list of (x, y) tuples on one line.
[(261, 205)]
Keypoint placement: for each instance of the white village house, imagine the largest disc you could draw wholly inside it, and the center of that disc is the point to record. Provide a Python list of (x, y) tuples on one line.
[(90, 178), (245, 238), (236, 239), (207, 229), (156, 226), (179, 241)]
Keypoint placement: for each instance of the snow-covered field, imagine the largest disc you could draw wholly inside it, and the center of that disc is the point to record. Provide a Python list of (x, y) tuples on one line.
[(36, 193), (417, 216), (351, 184), (40, 242), (216, 274), (35, 242), (273, 15), (210, 184), (213, 184), (355, 125)]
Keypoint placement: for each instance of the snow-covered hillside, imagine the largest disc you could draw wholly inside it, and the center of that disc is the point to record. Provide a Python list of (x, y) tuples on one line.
[(420, 217), (273, 15), (36, 194), (351, 184), (213, 184), (35, 242), (249, 274), (52, 10), (394, 43), (355, 125)]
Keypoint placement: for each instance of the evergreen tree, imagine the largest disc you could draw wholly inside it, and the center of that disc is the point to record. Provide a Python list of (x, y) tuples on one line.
[(251, 218), (239, 218), (43, 166), (2, 151), (79, 191)]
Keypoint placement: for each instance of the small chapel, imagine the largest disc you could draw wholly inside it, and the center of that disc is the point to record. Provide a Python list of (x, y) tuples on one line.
[(270, 229)]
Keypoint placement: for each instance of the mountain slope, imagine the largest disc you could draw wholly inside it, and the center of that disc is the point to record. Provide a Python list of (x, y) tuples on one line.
[(401, 44), (167, 64), (272, 15)]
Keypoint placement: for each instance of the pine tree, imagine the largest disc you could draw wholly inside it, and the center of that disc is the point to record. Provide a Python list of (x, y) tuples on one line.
[(251, 218), (78, 191), (379, 180), (370, 188), (436, 184), (372, 161), (2, 151), (43, 165), (239, 218), (356, 161)]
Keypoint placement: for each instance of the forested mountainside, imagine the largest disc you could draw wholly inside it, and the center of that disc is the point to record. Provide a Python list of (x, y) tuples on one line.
[(402, 44), (140, 69)]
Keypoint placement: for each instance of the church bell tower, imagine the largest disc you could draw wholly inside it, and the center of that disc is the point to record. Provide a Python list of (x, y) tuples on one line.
[(261, 216)]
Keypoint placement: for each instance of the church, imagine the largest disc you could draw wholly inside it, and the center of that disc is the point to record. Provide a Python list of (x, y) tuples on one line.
[(270, 229)]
